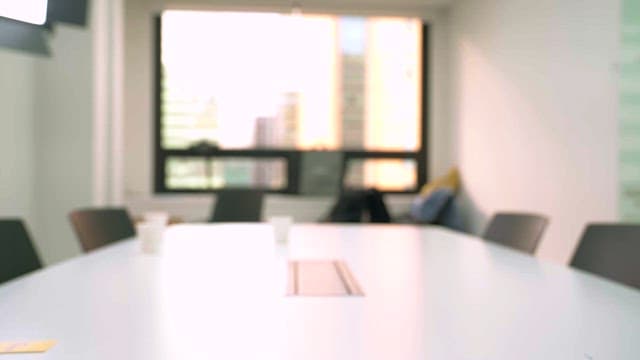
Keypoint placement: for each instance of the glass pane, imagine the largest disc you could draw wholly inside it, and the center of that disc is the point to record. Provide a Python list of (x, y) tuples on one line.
[(261, 80), (382, 174), (199, 174)]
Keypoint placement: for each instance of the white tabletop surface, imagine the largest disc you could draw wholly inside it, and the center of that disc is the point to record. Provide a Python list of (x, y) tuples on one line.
[(218, 292)]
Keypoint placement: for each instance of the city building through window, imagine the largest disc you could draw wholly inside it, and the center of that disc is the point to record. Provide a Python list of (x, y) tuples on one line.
[(241, 96)]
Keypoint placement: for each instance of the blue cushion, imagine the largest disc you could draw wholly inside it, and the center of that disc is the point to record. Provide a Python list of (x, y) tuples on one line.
[(427, 209)]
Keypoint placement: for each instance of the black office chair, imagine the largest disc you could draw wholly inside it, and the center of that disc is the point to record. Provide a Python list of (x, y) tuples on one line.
[(101, 226), (238, 206), (519, 231), (611, 251), (17, 254)]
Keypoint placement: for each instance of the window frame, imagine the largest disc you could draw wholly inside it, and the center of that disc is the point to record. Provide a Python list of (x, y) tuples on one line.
[(292, 156)]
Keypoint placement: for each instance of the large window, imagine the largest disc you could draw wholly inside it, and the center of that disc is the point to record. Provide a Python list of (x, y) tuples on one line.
[(242, 97)]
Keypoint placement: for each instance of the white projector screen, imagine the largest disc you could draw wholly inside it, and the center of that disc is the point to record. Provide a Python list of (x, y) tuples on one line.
[(31, 11)]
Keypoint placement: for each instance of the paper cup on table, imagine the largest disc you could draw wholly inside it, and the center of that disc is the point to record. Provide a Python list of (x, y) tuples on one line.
[(150, 235), (281, 226), (157, 217)]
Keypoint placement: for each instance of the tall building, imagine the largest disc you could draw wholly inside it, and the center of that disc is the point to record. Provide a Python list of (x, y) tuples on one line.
[(352, 35), (277, 132), (288, 120)]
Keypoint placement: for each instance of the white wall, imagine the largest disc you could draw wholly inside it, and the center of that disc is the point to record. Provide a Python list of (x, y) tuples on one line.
[(16, 135), (534, 103), (45, 152), (63, 138), (74, 109), (138, 113), (45, 142)]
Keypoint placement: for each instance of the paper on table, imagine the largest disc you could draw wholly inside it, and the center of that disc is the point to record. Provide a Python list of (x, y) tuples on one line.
[(15, 347)]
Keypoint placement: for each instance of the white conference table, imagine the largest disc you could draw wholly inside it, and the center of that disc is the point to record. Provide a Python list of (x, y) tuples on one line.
[(218, 292)]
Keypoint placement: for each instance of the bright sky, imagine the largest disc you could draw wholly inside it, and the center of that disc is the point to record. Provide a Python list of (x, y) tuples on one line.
[(252, 53), (247, 61)]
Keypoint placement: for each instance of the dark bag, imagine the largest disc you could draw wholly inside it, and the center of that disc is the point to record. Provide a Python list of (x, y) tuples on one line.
[(355, 206), (377, 209)]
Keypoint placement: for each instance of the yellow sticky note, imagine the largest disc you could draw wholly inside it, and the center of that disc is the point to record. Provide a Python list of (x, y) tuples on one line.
[(15, 347)]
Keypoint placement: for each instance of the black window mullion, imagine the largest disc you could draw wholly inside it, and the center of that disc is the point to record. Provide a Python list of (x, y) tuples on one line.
[(160, 156)]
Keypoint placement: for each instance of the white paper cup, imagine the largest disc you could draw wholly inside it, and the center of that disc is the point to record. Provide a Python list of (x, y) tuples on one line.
[(150, 235), (157, 217), (281, 226)]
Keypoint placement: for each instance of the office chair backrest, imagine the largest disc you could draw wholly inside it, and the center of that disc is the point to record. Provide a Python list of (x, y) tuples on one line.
[(321, 173), (519, 231), (238, 206), (101, 226), (17, 254), (611, 251)]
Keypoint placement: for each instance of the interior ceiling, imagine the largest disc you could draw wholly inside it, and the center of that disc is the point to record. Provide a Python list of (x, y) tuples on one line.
[(401, 6), (403, 3)]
